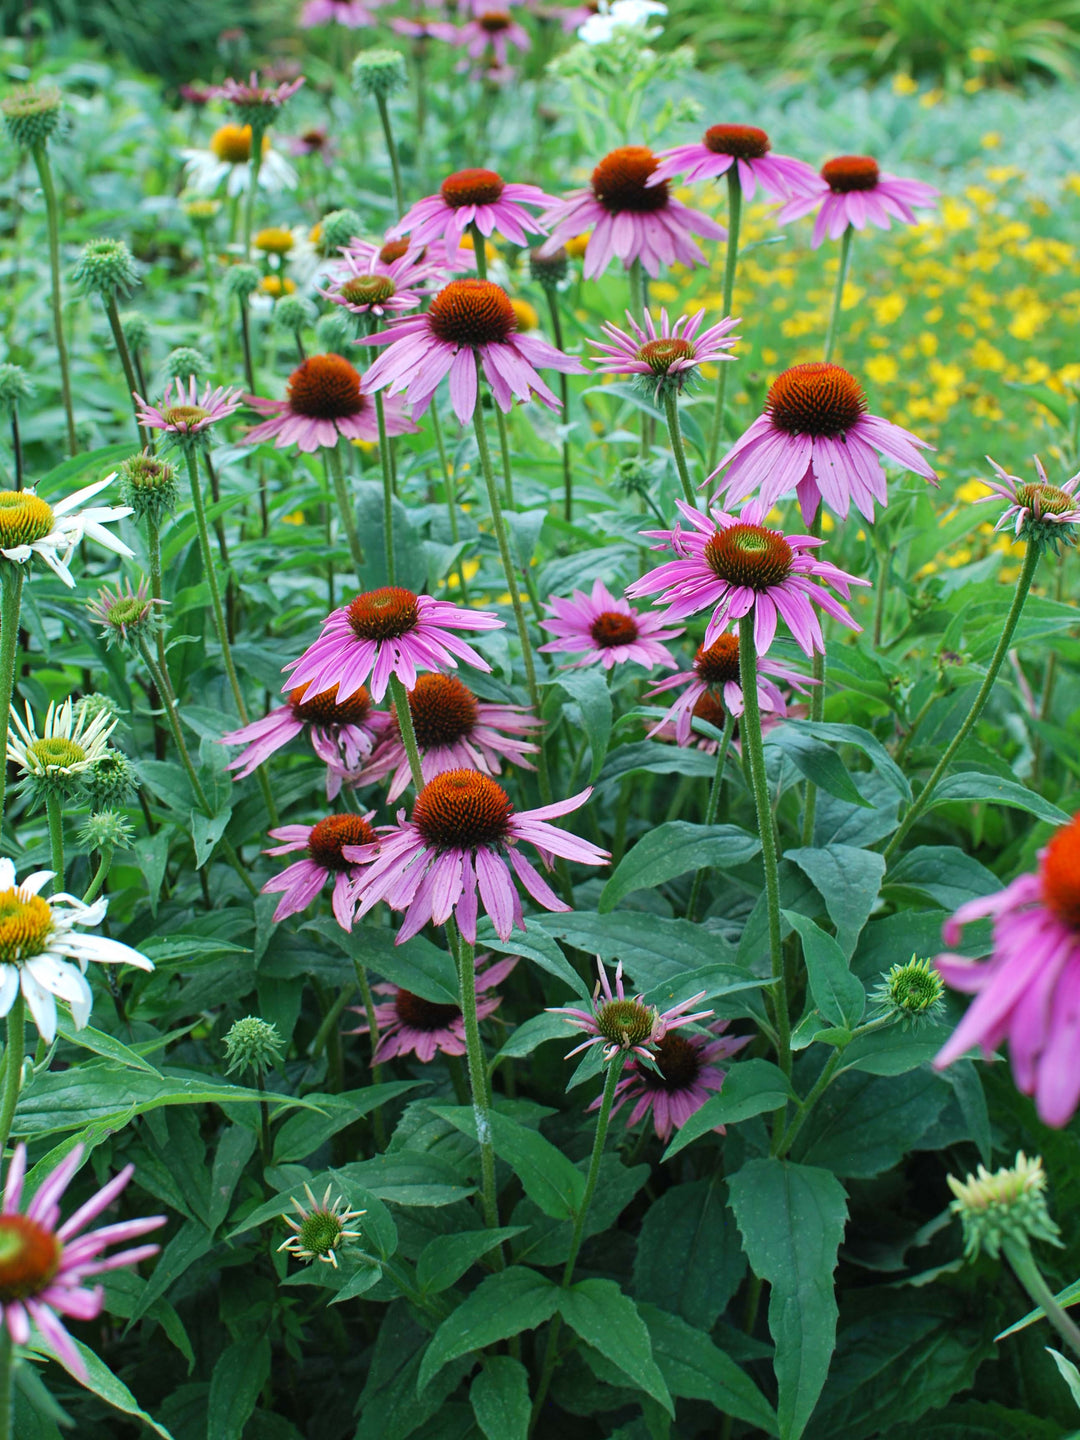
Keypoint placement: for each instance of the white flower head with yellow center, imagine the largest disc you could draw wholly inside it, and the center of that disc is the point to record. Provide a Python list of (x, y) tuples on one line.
[(228, 159), (38, 942), (68, 745), (32, 526)]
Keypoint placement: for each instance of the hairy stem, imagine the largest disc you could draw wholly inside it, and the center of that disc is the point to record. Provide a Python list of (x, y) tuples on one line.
[(11, 578), (52, 219), (408, 735), (710, 810), (678, 449), (731, 260), (838, 293), (14, 1051), (388, 487), (345, 508), (391, 150), (120, 341)]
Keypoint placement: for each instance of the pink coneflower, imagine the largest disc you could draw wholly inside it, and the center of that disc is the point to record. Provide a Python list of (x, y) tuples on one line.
[(126, 614), (464, 837), (616, 1023), (713, 689), (189, 413), (342, 733), (738, 566), (43, 1265), (1028, 991), (747, 148), (313, 141), (686, 1074), (467, 319), (324, 402), (671, 355), (454, 731), (605, 631), (474, 197), (367, 285), (197, 94), (495, 32), (431, 261), (629, 218), (423, 29), (853, 191), (816, 438), (249, 96), (410, 1025), (385, 632), (324, 842), (350, 13), (1038, 511)]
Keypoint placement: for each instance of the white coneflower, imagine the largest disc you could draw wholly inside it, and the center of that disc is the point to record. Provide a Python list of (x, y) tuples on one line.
[(320, 1230), (31, 526), (69, 743), (228, 158)]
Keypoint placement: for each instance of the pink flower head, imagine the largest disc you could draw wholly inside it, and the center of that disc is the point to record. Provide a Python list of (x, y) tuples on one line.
[(342, 734), (629, 218), (409, 1024), (465, 837), (474, 197), (257, 103), (423, 29), (745, 147), (197, 94), (712, 689), (454, 731), (125, 613), (350, 13), (1038, 511), (44, 1264), (469, 320), (367, 285), (189, 414), (313, 141), (816, 438), (853, 191), (492, 32), (605, 631), (738, 566), (432, 261), (1028, 991), (670, 356), (325, 401), (686, 1073), (387, 632), (324, 843), (616, 1023)]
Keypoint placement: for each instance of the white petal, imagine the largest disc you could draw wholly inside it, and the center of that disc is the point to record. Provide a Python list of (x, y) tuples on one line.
[(62, 979), (72, 502), (9, 987), (7, 874), (41, 1004), (18, 553), (100, 949), (33, 883)]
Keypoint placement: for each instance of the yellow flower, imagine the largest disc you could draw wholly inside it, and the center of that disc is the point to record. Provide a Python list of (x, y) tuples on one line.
[(527, 318), (982, 55), (470, 567), (881, 368), (888, 308), (490, 253), (576, 245), (664, 292), (931, 98), (275, 286), (296, 518), (274, 240), (903, 84), (973, 490), (954, 216), (991, 140)]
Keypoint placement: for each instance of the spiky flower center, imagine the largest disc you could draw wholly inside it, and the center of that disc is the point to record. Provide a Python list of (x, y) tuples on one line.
[(494, 22), (232, 143), (462, 810), (320, 1232), (394, 250), (745, 142), (915, 987), (367, 289), (749, 555), (476, 186), (680, 1063), (708, 708), (472, 312), (326, 709), (184, 417), (443, 710), (1045, 499), (613, 627), (329, 835), (420, 1014), (625, 1023), (618, 182), (29, 1257), (384, 614), (1060, 871), (325, 387), (720, 662), (128, 611), (146, 472), (24, 518), (850, 172), (55, 753), (25, 926), (815, 399), (660, 355)]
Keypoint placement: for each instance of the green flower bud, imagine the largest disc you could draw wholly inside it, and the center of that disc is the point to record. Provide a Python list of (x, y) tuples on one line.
[(336, 230), (15, 385), (202, 213), (185, 361), (253, 1043), (321, 1230), (242, 280), (90, 706), (379, 72), (136, 329), (105, 830), (333, 332), (549, 270), (106, 268), (1007, 1205), (149, 486), (292, 313), (912, 993), (31, 115), (110, 780)]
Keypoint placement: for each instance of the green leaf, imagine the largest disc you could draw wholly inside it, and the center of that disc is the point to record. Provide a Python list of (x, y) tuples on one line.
[(190, 1243), (689, 1258), (848, 880), (58, 483), (232, 1151), (652, 757), (99, 1043), (547, 1176), (206, 831), (750, 1087), (301, 1135), (652, 948), (792, 1220), (838, 994), (239, 1375), (532, 944), (588, 689), (445, 1259), (504, 1304), (869, 744), (973, 786), (864, 1124), (1069, 1296), (696, 1369), (101, 1381), (364, 1277), (1068, 1372), (943, 874), (535, 1031), (609, 1321), (500, 1398), (818, 762), (894, 1051), (674, 849), (417, 966)]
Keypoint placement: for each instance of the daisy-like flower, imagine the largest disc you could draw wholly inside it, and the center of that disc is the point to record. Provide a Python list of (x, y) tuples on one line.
[(605, 631), (629, 218), (715, 679), (464, 837), (324, 402), (256, 102), (685, 1074), (31, 526), (492, 34), (369, 286), (468, 320), (1038, 512), (455, 730), (410, 1025), (126, 615), (385, 632), (323, 844), (474, 197), (350, 13), (321, 1231), (616, 1023), (71, 741), (816, 438), (186, 415), (1027, 990), (38, 942), (44, 1265), (851, 190), (342, 733), (422, 29), (668, 357), (743, 146), (738, 566), (430, 261), (228, 160)]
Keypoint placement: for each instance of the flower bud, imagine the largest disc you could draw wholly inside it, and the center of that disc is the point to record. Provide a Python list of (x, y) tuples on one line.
[(549, 270), (149, 486), (15, 385), (242, 280), (333, 332), (126, 616), (336, 230), (1007, 1205), (105, 830), (31, 115), (292, 313), (110, 780), (379, 72), (911, 993), (321, 1231), (252, 1043), (106, 268), (185, 361), (202, 213), (136, 329)]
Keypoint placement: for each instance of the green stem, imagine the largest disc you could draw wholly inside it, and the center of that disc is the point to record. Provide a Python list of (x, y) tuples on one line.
[(52, 219), (504, 447), (400, 698), (345, 508), (368, 1002), (97, 884), (451, 496), (671, 407), (1019, 1256), (11, 579), (211, 295), (257, 132), (211, 580), (1023, 585), (838, 293), (817, 707), (636, 282), (479, 250), (711, 808), (16, 447), (478, 1076), (879, 599), (388, 487), (731, 261), (120, 341), (264, 1119), (391, 148), (54, 811), (564, 395), (160, 677), (755, 750), (14, 1051), (7, 1390), (828, 1073)]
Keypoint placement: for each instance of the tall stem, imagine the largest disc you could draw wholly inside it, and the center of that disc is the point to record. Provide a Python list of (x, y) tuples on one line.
[(478, 1077), (817, 706), (211, 580), (479, 250), (11, 578), (120, 341), (564, 395), (368, 1002), (257, 132), (755, 750), (52, 219), (14, 1051), (838, 293), (391, 148), (731, 261), (101, 874), (345, 508), (16, 447), (408, 734), (387, 487), (671, 406), (451, 496), (711, 808), (636, 281), (1028, 1273), (7, 1390), (55, 813), (504, 447), (1023, 585)]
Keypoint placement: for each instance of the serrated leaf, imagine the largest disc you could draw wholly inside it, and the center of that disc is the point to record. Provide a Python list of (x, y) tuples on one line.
[(974, 786), (239, 1375), (752, 1087), (504, 1304), (101, 1381), (499, 1396), (674, 849), (605, 1318), (546, 1174), (697, 1369), (689, 1259), (848, 879), (444, 1260), (588, 689), (838, 994)]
